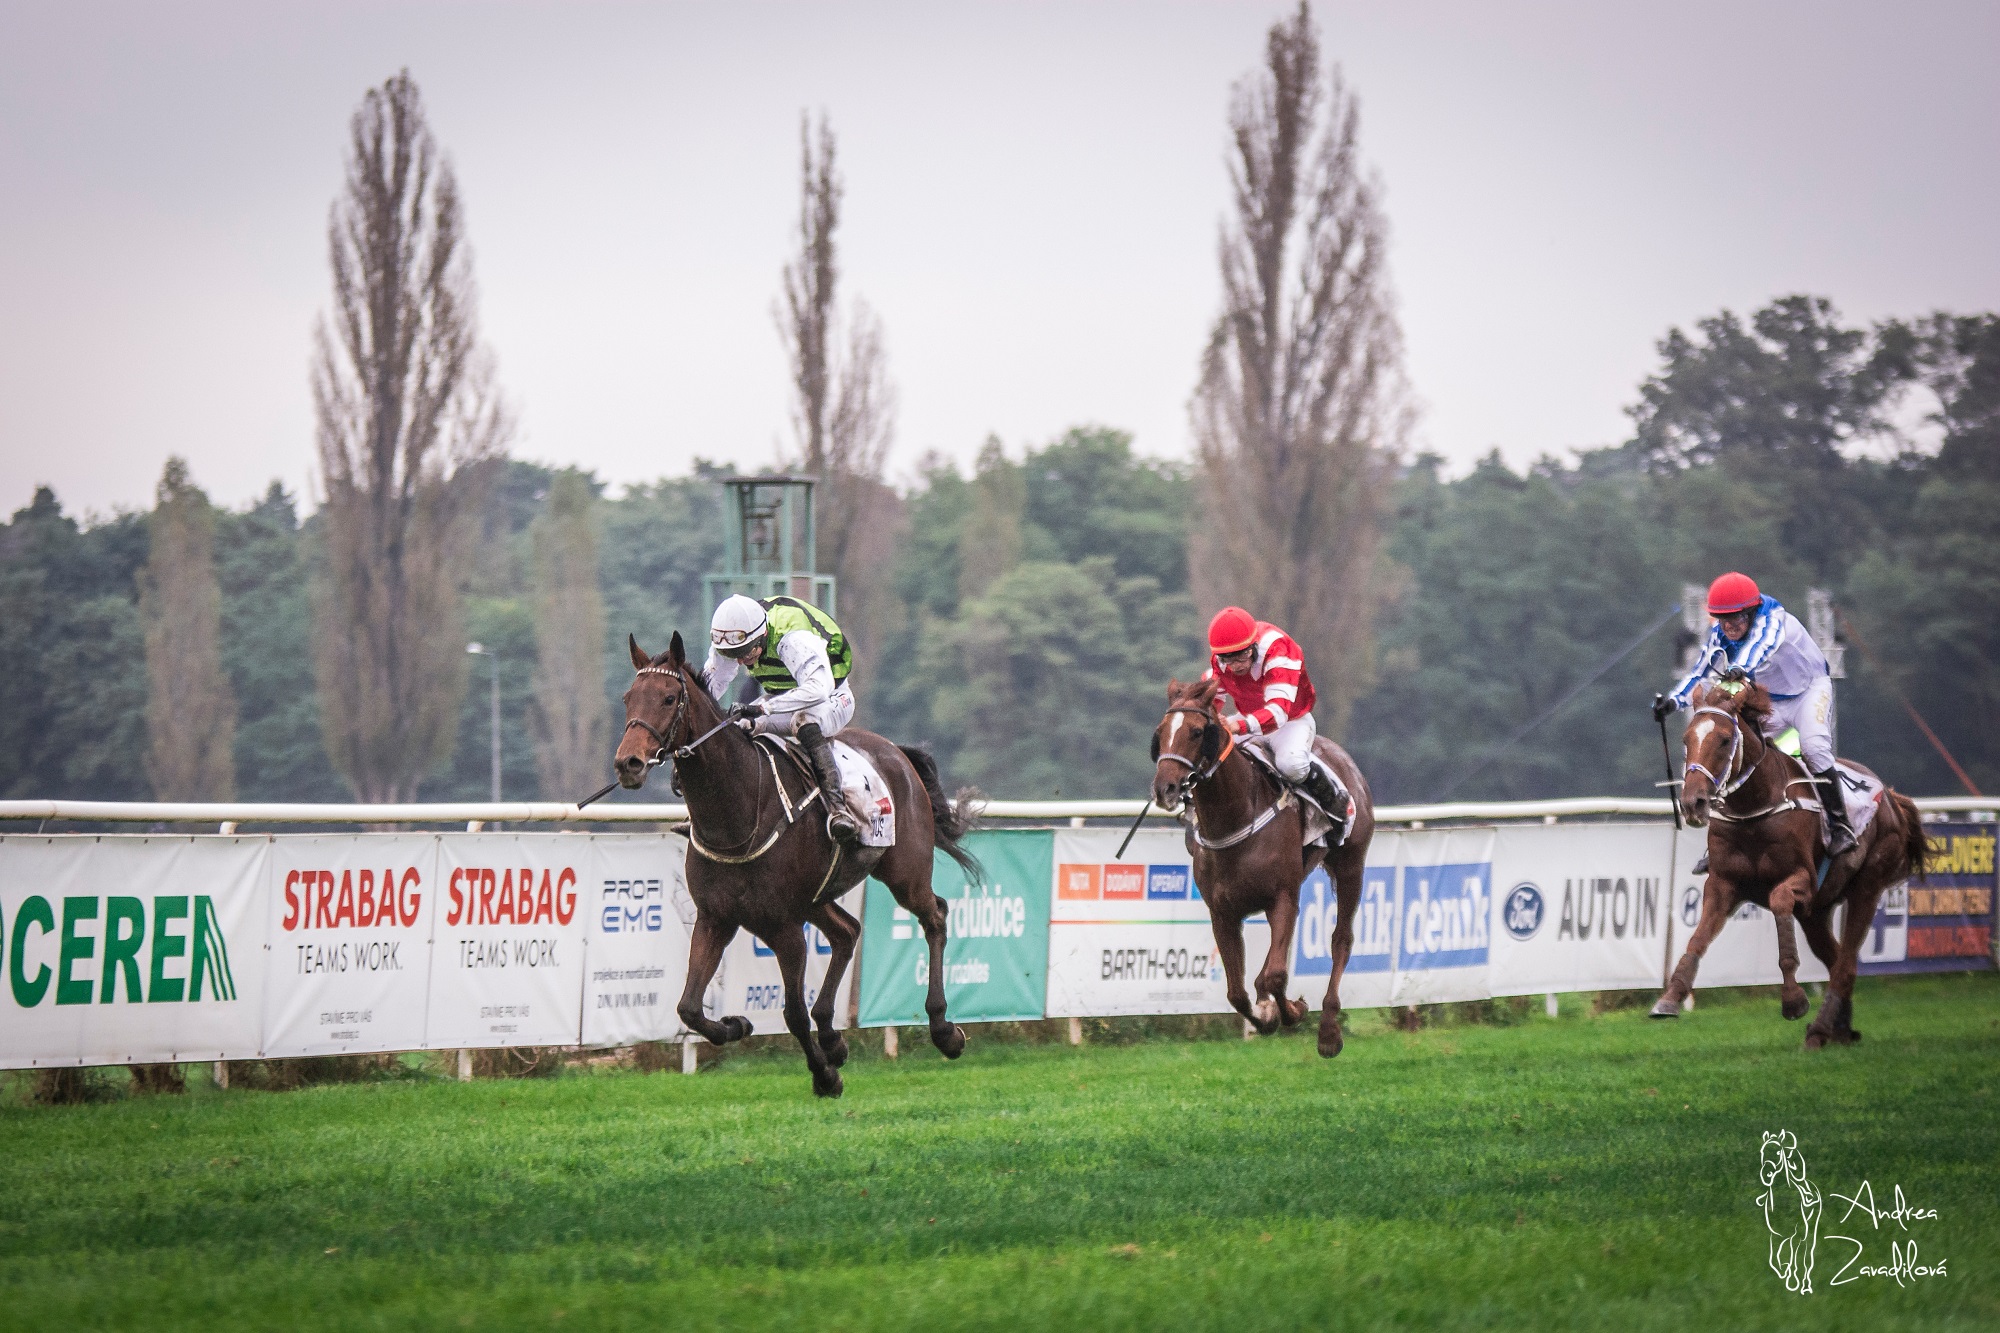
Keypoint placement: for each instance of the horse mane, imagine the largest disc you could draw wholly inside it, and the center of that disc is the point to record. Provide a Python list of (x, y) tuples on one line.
[(1750, 704)]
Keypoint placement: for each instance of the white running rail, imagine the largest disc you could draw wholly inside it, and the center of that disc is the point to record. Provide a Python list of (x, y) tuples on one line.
[(550, 812)]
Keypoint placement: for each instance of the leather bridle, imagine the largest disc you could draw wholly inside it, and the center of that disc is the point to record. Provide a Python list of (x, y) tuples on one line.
[(674, 723), (1197, 772), (1731, 780)]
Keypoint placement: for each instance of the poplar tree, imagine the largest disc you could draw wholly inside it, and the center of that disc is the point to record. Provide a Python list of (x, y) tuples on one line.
[(190, 708), (405, 409), (1299, 414), (571, 724)]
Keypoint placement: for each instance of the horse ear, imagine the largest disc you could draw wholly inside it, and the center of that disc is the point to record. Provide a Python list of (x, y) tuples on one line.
[(677, 652), (639, 659), (1173, 687)]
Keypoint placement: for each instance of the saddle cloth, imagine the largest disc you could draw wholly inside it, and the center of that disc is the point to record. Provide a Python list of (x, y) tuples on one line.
[(867, 793), (1863, 794), (1316, 823)]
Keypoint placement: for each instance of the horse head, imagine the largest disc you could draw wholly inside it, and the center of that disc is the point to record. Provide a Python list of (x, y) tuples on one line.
[(1189, 741), (1723, 713), (656, 711)]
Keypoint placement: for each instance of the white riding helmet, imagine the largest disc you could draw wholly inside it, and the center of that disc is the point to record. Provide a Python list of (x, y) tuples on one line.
[(738, 624)]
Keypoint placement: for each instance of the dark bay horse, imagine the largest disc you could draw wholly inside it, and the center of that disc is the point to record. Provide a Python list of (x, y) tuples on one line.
[(760, 859), (1763, 846), (1244, 834)]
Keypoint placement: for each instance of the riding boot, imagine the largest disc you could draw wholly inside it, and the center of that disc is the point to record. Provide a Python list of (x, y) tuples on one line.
[(1839, 833), (840, 821), (1331, 799)]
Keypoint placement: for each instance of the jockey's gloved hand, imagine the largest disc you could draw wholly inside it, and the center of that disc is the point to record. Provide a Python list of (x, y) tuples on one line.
[(1662, 706), (748, 712)]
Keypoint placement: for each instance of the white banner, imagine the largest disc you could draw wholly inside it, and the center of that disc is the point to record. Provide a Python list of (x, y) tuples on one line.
[(1580, 907), (635, 940), (1133, 936), (1444, 915), (348, 918), (130, 949), (507, 961)]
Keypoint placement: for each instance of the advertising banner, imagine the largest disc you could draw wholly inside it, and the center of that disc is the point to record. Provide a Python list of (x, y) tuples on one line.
[(1580, 907), (1371, 961), (1944, 921), (749, 983), (130, 949), (997, 950), (1746, 952), (507, 962), (348, 917), (635, 940), (1444, 915), (1132, 936)]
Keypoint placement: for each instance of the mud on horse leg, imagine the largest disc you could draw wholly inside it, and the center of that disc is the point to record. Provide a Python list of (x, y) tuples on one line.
[(705, 948)]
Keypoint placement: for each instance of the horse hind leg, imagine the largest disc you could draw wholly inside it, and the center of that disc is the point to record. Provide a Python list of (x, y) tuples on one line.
[(1347, 894), (1819, 938), (929, 910), (841, 931)]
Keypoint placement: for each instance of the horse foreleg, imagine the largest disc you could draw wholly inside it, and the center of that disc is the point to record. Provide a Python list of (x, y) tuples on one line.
[(1791, 890), (1276, 973), (1347, 892), (705, 948), (1229, 948), (1835, 1020), (1717, 902), (841, 931), (790, 948)]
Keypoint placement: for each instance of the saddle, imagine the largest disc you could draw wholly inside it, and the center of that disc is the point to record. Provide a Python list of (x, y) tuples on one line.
[(863, 787), (1316, 822)]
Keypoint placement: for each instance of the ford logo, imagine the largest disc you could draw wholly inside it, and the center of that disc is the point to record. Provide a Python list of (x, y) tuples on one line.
[(1523, 911)]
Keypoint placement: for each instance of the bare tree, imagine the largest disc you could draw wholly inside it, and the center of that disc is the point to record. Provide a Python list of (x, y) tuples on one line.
[(844, 407), (190, 708), (1300, 412), (571, 722), (405, 403)]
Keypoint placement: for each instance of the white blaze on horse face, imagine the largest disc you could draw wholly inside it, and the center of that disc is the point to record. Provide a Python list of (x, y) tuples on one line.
[(1701, 730), (1173, 728)]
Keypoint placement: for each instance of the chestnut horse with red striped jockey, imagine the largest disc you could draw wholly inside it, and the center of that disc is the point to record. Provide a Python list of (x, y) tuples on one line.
[(1245, 835)]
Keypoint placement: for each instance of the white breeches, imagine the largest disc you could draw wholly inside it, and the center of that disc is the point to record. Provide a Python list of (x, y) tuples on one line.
[(832, 713), (1290, 747), (1812, 714)]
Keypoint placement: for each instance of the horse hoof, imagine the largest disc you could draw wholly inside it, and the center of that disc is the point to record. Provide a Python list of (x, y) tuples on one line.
[(828, 1085), (1795, 1006), (834, 1048), (1664, 1009), (1815, 1040), (1330, 1041), (950, 1040), (735, 1028), (1293, 1012)]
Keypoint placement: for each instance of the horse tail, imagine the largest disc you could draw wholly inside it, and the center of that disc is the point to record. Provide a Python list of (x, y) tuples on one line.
[(1915, 844), (950, 820)]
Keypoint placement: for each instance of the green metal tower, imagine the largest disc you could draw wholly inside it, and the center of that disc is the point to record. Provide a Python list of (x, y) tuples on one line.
[(768, 542)]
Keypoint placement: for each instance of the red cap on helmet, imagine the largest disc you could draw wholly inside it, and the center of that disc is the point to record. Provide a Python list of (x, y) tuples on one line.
[(1232, 630), (1732, 592)]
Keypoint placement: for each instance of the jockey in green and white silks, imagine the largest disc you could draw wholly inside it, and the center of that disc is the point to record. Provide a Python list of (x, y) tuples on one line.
[(801, 660), (1756, 633)]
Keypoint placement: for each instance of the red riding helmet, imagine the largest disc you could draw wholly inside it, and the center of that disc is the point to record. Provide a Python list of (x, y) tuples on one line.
[(1731, 593), (1232, 630)]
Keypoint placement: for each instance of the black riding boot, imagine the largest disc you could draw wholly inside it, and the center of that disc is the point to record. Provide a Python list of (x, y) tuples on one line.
[(1839, 833), (840, 821), (1331, 798)]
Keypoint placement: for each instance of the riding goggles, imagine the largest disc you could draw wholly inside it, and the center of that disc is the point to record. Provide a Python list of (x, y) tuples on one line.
[(735, 642)]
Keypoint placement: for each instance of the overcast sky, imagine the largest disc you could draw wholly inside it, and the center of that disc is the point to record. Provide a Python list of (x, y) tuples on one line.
[(1033, 199)]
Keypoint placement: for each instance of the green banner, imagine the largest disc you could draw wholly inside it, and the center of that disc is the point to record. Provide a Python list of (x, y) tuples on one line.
[(997, 952)]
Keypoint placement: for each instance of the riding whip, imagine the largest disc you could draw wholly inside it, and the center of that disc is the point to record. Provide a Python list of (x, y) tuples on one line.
[(1143, 811), (605, 790), (1673, 792)]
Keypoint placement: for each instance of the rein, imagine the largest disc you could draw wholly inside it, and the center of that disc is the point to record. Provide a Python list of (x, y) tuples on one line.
[(1198, 774)]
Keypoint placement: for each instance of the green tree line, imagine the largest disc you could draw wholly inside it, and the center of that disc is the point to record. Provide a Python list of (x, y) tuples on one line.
[(1037, 607)]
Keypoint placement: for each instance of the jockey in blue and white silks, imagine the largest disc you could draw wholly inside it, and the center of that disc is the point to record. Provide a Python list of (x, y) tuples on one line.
[(1754, 632)]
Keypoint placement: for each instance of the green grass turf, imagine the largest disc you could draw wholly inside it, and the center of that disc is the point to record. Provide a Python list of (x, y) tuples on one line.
[(1587, 1172)]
